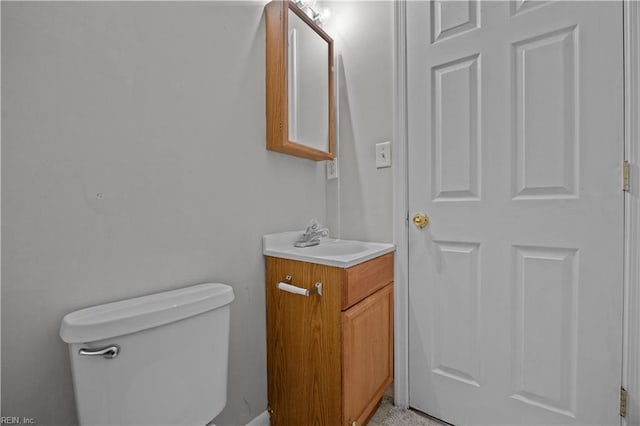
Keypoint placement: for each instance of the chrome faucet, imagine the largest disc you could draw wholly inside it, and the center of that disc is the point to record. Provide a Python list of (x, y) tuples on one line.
[(312, 235)]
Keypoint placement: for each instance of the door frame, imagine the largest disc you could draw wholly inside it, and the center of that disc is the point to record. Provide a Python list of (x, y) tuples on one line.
[(630, 374), (631, 313)]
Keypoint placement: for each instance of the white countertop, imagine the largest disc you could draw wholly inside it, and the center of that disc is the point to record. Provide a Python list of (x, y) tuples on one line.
[(330, 251)]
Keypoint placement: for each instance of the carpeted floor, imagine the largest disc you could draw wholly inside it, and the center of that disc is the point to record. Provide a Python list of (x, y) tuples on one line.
[(388, 415)]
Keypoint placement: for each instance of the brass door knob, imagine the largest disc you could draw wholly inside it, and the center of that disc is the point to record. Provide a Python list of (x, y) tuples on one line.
[(420, 220)]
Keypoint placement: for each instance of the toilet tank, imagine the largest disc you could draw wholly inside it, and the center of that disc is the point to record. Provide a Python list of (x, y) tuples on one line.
[(171, 362)]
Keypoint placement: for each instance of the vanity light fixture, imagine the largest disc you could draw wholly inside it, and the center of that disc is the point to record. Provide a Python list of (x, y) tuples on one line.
[(318, 17)]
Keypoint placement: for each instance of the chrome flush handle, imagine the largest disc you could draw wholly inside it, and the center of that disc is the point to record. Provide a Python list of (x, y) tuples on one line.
[(108, 352)]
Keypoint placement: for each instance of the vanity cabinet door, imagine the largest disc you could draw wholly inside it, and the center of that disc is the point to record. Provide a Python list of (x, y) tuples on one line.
[(303, 345), (367, 356)]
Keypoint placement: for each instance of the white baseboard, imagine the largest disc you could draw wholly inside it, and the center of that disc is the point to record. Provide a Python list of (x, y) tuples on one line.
[(262, 420)]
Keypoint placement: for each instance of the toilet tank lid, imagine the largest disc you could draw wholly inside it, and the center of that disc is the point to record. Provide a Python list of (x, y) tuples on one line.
[(141, 313)]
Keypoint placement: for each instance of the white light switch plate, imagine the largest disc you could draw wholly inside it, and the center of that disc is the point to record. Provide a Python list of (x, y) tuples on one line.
[(383, 155)]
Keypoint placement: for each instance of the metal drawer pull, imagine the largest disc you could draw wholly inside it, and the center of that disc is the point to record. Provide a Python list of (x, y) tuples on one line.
[(285, 286), (108, 352)]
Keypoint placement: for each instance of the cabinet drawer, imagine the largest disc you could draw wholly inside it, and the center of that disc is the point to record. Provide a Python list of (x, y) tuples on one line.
[(366, 278)]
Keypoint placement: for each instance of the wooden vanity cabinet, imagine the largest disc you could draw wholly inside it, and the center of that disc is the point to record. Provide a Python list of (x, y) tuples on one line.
[(329, 357)]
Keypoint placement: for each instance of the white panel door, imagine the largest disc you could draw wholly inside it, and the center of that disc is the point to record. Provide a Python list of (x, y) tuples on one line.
[(515, 151)]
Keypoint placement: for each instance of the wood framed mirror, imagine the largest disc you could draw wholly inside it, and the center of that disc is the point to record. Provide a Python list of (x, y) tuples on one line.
[(299, 83)]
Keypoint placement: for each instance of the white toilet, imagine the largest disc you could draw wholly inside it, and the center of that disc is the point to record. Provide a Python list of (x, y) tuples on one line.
[(153, 360)]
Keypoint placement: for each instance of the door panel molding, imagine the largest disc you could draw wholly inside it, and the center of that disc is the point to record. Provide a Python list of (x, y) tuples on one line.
[(522, 6), (551, 383), (546, 163), (456, 149), (453, 18), (454, 306)]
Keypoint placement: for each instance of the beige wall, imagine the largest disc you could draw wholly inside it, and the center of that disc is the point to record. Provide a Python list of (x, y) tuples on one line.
[(363, 33), (134, 161)]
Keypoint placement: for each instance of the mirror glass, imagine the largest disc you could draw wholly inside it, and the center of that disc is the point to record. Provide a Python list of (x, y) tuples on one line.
[(308, 85)]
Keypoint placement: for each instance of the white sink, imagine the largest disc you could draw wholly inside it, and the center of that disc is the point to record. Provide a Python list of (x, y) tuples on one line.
[(331, 252)]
